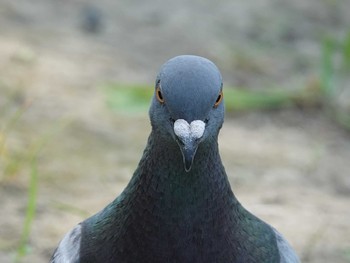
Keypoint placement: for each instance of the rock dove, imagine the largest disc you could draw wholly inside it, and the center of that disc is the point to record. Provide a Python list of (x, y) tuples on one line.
[(178, 206)]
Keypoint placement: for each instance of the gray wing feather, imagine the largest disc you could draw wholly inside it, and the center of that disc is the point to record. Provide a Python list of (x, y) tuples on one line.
[(69, 247), (287, 253)]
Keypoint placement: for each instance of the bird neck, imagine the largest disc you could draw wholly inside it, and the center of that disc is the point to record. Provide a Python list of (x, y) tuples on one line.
[(161, 182), (166, 214)]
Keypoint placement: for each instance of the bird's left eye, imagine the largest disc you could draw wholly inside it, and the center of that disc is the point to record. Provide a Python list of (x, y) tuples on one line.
[(219, 99), (159, 95)]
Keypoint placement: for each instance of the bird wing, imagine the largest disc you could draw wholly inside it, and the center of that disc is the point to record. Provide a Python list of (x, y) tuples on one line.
[(69, 247), (287, 253)]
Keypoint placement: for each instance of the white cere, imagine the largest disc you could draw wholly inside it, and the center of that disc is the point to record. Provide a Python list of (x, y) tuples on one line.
[(184, 130), (197, 129)]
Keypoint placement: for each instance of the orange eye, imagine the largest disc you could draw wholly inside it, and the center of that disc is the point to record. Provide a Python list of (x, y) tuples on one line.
[(219, 99), (159, 95)]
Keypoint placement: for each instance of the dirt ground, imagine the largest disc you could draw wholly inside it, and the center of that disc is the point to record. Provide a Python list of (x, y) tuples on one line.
[(289, 167)]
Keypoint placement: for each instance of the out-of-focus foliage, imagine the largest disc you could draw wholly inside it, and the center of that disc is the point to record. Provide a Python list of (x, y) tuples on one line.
[(335, 78)]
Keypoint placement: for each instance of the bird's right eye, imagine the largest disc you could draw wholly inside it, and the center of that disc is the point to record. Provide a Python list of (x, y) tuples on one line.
[(159, 95)]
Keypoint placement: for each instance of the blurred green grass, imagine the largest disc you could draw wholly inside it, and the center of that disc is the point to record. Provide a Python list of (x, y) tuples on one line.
[(15, 162), (11, 164), (335, 68), (30, 209)]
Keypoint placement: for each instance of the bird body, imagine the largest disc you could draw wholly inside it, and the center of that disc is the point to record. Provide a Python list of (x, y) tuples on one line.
[(178, 206)]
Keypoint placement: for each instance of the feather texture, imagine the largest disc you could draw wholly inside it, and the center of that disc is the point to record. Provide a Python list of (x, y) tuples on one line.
[(175, 210)]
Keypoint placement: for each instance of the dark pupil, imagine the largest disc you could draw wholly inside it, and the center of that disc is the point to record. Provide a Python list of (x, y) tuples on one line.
[(218, 99), (160, 95)]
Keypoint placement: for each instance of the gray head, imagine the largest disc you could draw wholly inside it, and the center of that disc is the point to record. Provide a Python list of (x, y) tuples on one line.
[(187, 105)]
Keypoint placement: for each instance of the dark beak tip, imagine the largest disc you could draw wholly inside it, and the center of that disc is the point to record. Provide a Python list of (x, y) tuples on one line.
[(188, 167), (188, 158), (188, 151)]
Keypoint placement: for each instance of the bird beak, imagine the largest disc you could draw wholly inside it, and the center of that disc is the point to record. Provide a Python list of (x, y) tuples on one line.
[(188, 150), (188, 138)]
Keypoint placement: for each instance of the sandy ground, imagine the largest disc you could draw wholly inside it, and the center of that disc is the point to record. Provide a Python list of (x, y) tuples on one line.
[(290, 168)]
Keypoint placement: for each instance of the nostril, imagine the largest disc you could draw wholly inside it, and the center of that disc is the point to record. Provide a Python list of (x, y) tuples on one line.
[(206, 121), (172, 120)]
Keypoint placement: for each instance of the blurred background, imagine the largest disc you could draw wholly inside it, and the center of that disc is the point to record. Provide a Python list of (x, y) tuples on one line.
[(76, 79)]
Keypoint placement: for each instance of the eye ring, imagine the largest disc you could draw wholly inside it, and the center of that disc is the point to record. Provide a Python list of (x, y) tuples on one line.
[(219, 99), (159, 95)]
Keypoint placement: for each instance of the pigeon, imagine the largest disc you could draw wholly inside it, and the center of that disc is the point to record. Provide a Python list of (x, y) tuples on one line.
[(179, 205)]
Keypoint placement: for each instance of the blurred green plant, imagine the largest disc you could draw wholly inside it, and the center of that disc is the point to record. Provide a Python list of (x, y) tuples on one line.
[(32, 159), (13, 163), (327, 73), (346, 254), (335, 67), (346, 51), (31, 208), (127, 98)]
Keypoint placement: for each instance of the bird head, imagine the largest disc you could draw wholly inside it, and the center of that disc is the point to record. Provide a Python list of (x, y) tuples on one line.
[(187, 106)]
